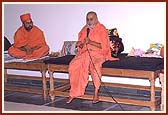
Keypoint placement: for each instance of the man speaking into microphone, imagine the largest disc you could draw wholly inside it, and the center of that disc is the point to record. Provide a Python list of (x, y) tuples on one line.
[(93, 49)]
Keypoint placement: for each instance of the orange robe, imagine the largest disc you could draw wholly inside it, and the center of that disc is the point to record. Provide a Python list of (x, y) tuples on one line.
[(81, 65), (33, 38)]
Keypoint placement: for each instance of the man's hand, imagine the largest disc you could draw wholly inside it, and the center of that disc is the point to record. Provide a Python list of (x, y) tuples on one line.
[(87, 40), (36, 47), (79, 44), (27, 49), (93, 43)]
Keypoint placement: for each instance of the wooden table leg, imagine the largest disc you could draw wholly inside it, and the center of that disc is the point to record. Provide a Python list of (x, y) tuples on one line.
[(52, 96), (152, 84), (44, 82), (5, 75), (161, 75)]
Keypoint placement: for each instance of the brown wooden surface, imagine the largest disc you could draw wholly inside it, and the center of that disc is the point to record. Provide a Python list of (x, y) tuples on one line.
[(24, 66), (140, 87), (141, 74), (110, 72), (32, 66), (161, 76)]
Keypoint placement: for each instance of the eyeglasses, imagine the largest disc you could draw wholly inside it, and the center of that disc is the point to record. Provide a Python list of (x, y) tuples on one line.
[(89, 19)]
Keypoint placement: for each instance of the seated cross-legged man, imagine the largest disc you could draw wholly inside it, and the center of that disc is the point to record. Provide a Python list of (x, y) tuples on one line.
[(29, 41)]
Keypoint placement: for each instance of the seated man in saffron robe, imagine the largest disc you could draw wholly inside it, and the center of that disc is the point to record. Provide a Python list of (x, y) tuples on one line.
[(29, 41), (93, 49)]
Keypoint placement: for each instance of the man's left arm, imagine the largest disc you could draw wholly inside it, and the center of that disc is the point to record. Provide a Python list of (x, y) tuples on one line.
[(93, 43)]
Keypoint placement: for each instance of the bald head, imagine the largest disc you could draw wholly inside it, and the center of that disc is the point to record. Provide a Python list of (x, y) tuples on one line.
[(91, 19), (91, 13)]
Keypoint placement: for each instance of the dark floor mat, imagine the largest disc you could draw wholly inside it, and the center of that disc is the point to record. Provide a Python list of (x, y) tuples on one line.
[(28, 98), (81, 104)]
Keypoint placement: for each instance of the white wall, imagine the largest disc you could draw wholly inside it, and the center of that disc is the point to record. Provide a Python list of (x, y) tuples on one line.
[(139, 24)]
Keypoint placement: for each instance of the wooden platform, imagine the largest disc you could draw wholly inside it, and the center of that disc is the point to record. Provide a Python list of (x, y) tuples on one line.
[(123, 73), (32, 66), (60, 91)]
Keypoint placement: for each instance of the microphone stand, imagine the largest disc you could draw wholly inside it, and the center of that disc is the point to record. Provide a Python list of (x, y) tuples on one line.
[(105, 88)]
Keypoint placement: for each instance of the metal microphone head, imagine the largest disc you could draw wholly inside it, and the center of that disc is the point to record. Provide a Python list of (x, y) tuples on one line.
[(88, 30)]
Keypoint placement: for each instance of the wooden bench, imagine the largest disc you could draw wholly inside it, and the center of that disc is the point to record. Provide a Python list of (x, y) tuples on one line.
[(60, 91), (32, 66), (123, 73)]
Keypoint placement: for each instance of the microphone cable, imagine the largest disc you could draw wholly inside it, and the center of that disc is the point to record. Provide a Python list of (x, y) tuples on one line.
[(105, 88)]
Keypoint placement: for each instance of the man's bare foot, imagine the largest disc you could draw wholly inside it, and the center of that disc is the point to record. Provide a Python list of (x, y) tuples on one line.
[(96, 96), (95, 99), (70, 99)]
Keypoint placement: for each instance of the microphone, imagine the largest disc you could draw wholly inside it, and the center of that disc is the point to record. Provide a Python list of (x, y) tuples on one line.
[(88, 30)]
